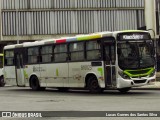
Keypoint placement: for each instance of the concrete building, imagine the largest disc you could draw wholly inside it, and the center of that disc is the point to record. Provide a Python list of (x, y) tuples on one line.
[(27, 20)]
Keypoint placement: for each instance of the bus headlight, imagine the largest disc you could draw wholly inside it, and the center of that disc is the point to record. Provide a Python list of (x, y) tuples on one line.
[(123, 75)]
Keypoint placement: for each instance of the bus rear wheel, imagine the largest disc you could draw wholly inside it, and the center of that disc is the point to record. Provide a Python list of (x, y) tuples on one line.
[(124, 90), (34, 84), (2, 83), (93, 85)]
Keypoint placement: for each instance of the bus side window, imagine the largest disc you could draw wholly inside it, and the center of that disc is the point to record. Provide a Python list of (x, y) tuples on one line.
[(60, 53), (46, 54), (93, 50), (33, 55), (77, 51), (9, 58)]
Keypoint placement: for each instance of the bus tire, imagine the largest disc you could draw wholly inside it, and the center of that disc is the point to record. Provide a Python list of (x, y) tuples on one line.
[(2, 83), (93, 85), (34, 84), (124, 90), (63, 89)]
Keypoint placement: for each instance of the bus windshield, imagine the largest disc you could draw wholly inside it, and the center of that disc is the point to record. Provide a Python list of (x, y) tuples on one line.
[(133, 55)]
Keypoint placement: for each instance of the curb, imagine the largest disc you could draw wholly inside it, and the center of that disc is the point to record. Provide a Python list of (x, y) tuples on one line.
[(145, 88)]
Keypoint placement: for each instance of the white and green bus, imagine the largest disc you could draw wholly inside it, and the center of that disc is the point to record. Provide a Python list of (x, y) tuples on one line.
[(97, 61)]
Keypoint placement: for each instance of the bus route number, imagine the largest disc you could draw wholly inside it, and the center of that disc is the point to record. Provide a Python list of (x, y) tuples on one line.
[(86, 67)]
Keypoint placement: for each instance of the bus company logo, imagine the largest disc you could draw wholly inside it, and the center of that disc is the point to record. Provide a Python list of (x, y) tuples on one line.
[(6, 114), (38, 69), (21, 114), (86, 67), (133, 36)]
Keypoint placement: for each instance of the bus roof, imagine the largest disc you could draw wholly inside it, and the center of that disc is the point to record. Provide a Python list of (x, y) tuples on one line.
[(70, 39), (30, 44), (126, 31), (10, 46)]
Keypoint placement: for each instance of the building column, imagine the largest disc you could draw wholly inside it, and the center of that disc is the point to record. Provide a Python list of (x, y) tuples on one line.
[(150, 17)]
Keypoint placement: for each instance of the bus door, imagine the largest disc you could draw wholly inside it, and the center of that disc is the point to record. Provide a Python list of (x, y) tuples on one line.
[(20, 78), (110, 69)]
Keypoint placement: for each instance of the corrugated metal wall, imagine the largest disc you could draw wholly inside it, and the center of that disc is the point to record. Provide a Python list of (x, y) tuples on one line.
[(47, 17), (41, 4)]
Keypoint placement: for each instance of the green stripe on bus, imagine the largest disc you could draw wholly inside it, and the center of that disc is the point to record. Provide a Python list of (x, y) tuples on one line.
[(101, 71), (89, 37), (134, 73), (25, 74), (57, 72)]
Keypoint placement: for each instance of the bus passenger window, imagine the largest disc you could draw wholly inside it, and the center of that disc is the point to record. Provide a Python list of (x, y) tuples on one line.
[(9, 58), (93, 50), (33, 54), (77, 51), (46, 53), (60, 53)]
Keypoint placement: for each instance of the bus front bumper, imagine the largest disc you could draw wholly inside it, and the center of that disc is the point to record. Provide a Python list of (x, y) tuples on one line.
[(135, 82)]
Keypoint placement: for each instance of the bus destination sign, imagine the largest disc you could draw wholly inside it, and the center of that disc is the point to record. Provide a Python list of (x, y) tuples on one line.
[(134, 36)]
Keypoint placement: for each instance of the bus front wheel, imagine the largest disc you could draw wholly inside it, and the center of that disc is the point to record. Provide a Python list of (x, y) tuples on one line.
[(93, 85), (34, 84)]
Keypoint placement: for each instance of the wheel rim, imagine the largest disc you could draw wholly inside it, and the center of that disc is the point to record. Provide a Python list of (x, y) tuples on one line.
[(94, 84)]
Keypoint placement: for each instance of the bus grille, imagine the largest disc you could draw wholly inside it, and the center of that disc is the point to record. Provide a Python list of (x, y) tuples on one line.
[(139, 81)]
